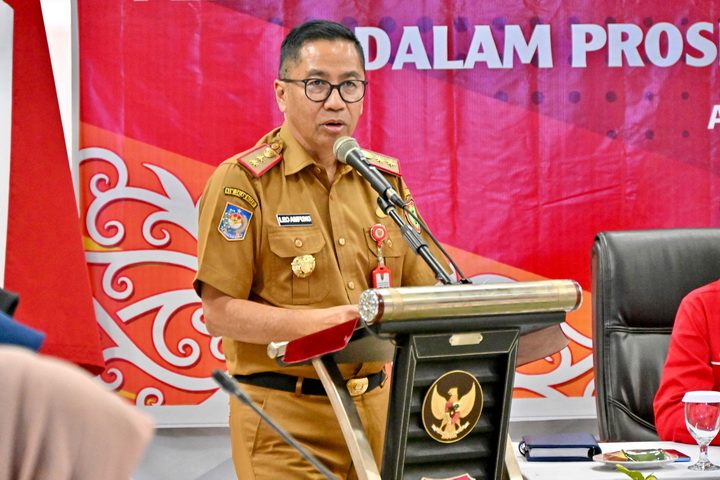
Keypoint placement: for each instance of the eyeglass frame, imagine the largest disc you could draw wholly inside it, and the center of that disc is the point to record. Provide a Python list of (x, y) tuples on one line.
[(332, 87)]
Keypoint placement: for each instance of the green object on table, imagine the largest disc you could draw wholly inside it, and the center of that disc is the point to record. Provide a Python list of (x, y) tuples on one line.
[(634, 474), (645, 455)]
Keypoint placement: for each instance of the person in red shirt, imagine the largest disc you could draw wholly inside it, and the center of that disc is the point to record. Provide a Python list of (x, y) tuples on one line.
[(693, 361)]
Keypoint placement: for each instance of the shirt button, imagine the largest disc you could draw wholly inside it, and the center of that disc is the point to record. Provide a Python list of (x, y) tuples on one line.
[(351, 285), (317, 170), (389, 242), (332, 195), (298, 242), (341, 241)]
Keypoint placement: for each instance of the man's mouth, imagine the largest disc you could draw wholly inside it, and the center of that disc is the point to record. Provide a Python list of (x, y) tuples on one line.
[(333, 125)]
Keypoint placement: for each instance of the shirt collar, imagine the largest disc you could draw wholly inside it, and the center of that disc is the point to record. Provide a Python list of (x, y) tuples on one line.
[(296, 158)]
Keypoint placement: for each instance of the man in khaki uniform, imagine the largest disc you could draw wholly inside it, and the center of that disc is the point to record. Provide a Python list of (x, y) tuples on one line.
[(285, 250)]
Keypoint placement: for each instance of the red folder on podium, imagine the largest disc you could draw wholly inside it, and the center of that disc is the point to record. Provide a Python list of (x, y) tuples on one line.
[(324, 342)]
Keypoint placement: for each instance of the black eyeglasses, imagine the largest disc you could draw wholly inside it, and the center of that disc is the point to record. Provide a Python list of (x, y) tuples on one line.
[(319, 90)]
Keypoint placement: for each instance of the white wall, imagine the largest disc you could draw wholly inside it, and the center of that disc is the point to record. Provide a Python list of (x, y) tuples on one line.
[(6, 46), (56, 14)]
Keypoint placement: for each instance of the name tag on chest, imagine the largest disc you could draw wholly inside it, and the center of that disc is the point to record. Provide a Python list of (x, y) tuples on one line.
[(294, 220)]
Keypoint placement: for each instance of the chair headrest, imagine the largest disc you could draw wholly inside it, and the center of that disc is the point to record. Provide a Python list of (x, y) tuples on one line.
[(644, 274)]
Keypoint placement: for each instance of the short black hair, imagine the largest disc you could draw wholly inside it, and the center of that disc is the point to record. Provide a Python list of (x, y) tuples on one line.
[(315, 30)]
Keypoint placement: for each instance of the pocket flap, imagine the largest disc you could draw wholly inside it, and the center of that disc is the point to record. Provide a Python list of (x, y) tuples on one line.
[(392, 246), (288, 243)]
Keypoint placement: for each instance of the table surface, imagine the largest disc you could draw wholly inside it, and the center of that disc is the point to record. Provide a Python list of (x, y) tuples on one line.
[(600, 471)]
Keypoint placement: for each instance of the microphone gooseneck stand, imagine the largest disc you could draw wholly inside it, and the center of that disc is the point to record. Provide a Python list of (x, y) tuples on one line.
[(230, 386), (415, 241), (347, 151)]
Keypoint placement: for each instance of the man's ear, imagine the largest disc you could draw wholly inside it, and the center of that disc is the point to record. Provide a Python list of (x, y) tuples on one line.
[(280, 94)]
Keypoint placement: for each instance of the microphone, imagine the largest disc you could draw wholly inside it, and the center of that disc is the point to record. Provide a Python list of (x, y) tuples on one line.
[(348, 151)]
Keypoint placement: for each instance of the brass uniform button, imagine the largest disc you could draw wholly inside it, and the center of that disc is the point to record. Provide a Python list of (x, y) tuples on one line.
[(341, 241), (351, 285), (298, 243)]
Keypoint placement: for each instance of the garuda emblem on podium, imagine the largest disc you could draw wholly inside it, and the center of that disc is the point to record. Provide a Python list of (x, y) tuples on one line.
[(452, 406)]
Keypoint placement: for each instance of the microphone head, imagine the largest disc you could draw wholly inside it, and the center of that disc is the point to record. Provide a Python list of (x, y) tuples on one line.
[(343, 146), (226, 381)]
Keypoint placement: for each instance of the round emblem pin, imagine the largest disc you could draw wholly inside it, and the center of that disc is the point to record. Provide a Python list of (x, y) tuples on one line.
[(452, 406), (303, 265), (378, 232)]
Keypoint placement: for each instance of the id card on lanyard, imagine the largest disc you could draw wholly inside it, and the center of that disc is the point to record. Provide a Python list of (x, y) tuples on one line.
[(381, 275)]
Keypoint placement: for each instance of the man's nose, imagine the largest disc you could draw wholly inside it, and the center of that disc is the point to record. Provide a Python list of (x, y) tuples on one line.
[(335, 100)]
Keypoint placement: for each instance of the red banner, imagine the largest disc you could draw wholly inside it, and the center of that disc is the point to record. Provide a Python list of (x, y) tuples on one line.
[(522, 130), (45, 262)]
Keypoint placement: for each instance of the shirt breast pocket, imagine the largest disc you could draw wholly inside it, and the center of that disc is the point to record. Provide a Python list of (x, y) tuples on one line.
[(287, 287)]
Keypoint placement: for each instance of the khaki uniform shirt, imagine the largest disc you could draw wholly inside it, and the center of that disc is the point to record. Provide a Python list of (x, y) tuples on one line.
[(263, 208)]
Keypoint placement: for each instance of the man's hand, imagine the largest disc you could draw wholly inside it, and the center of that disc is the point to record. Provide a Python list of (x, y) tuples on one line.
[(254, 322), (322, 318)]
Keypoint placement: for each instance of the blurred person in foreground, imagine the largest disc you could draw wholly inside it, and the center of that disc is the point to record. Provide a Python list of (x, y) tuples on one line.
[(58, 423)]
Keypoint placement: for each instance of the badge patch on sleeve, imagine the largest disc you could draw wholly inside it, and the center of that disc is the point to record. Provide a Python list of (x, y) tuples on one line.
[(236, 192), (411, 220), (234, 222)]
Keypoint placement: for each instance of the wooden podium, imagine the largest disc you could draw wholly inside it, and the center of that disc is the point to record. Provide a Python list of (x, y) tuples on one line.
[(454, 350)]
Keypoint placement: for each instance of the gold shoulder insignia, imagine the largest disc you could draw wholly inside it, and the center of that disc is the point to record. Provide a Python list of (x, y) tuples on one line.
[(261, 159), (383, 162)]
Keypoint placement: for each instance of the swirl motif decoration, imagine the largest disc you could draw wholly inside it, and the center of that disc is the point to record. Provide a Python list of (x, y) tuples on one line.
[(141, 236)]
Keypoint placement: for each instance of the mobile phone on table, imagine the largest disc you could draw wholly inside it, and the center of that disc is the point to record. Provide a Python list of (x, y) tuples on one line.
[(681, 457)]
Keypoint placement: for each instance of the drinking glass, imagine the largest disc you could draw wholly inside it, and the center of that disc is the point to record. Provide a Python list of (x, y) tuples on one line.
[(702, 417)]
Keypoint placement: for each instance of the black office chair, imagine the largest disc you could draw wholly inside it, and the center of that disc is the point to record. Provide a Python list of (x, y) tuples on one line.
[(638, 280)]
